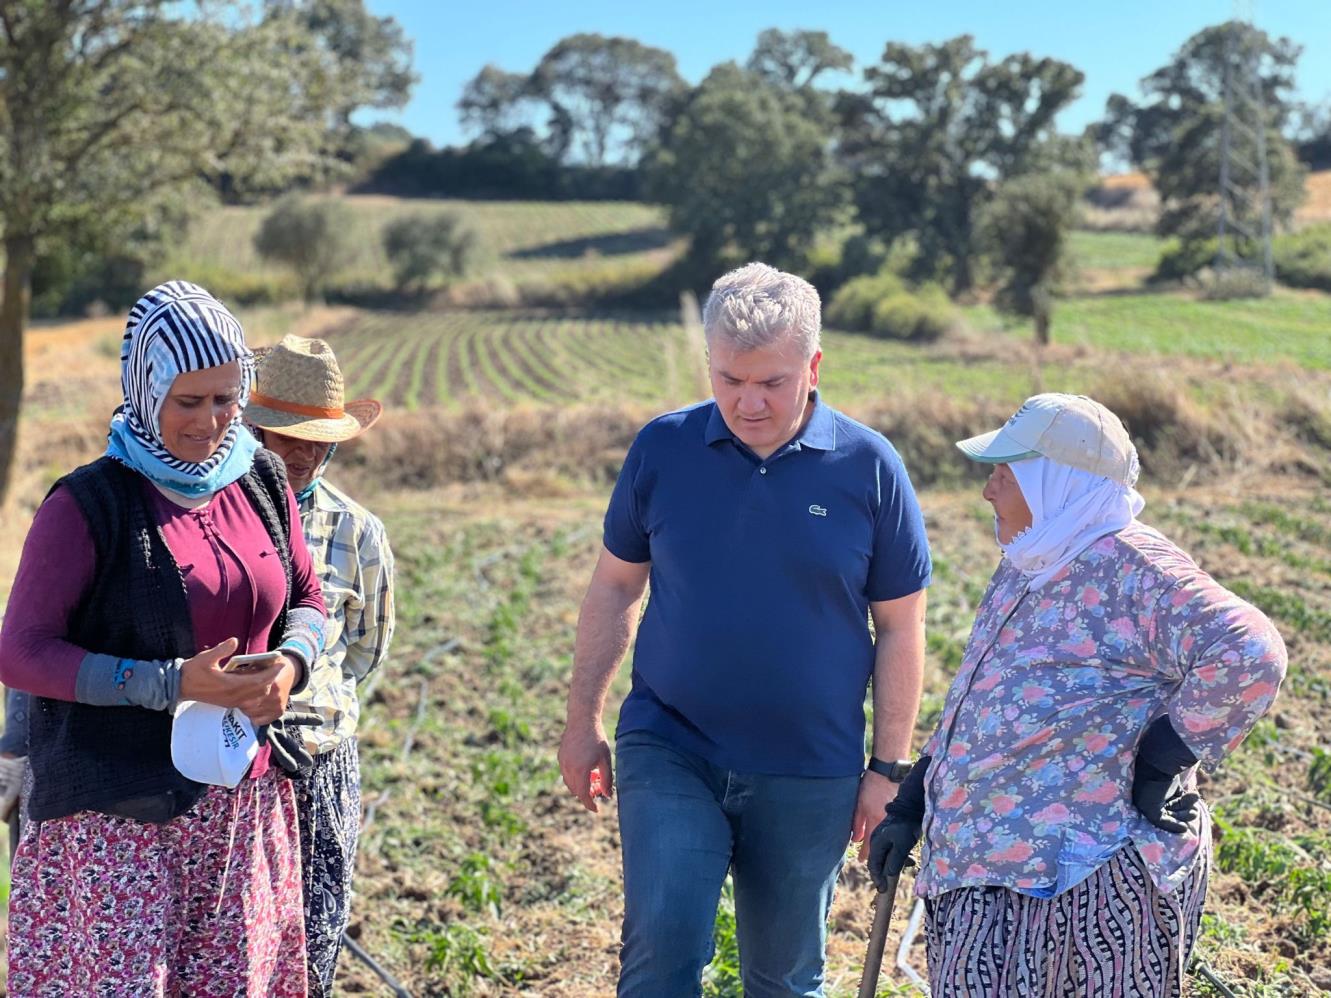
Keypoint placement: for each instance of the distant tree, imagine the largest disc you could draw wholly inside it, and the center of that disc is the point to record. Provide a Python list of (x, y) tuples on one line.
[(1173, 133), (421, 247), (365, 60), (109, 109), (606, 95), (1025, 227), (313, 238), (745, 171), (936, 127), (795, 59), (495, 102)]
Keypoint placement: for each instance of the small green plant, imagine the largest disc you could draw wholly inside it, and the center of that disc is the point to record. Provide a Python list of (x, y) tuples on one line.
[(477, 884), (1319, 774), (502, 819), (459, 953), (722, 979), (508, 728), (1279, 870)]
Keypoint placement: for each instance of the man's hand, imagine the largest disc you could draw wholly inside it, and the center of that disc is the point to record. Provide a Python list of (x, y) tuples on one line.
[(876, 791), (584, 762)]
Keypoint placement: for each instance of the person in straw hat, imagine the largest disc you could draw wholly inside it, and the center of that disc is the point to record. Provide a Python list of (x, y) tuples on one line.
[(297, 411), (1065, 847)]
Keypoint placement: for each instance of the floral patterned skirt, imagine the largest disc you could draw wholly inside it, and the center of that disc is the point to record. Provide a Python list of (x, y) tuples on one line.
[(1114, 935), (206, 905)]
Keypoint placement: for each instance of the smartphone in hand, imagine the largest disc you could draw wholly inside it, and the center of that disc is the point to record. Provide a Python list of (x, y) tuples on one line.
[(250, 663)]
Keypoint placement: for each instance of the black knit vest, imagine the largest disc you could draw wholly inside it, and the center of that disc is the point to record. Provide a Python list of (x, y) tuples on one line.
[(117, 760)]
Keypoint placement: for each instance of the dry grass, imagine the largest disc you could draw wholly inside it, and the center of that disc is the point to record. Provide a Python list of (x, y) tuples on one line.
[(1127, 202)]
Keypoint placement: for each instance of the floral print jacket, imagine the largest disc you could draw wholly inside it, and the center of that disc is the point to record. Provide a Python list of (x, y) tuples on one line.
[(1031, 779)]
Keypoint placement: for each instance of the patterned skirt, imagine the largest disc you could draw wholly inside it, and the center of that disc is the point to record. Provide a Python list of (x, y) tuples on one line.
[(1114, 935), (328, 806), (206, 905)]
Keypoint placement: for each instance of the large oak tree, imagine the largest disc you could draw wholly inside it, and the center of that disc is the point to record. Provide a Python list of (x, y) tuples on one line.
[(934, 129)]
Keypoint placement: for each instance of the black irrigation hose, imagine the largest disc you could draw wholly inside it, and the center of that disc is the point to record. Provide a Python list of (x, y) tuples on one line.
[(382, 974), (1202, 970)]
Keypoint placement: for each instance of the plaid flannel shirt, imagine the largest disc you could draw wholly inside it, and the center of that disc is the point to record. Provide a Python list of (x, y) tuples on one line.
[(355, 566)]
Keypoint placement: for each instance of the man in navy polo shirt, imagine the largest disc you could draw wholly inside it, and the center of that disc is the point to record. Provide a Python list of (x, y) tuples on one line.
[(771, 527)]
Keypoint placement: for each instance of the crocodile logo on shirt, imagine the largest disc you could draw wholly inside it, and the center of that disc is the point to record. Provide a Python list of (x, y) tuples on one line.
[(817, 510)]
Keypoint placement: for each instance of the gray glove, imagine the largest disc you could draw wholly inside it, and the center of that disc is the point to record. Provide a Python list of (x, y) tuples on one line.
[(1161, 758), (288, 745), (896, 835)]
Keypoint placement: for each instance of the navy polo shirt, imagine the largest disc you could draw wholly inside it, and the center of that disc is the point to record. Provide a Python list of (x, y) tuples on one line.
[(754, 651)]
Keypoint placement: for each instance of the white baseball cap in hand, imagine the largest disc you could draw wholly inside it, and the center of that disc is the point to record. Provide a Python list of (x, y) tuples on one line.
[(211, 744), (1070, 429)]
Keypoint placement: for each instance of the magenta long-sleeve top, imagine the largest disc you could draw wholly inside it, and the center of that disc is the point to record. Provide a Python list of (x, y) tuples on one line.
[(233, 576)]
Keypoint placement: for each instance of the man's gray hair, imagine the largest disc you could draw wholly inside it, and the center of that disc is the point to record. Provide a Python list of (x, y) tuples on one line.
[(757, 306)]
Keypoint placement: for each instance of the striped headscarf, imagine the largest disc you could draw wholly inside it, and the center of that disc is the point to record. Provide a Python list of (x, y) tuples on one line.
[(175, 328)]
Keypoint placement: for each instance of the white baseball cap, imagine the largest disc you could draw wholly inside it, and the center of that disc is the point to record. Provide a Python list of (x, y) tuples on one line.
[(1070, 429), (211, 744)]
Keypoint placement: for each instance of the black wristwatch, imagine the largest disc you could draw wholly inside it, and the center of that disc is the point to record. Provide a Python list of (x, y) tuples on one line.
[(895, 771)]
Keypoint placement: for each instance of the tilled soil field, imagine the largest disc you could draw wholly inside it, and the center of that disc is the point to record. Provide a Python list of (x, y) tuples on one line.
[(479, 875)]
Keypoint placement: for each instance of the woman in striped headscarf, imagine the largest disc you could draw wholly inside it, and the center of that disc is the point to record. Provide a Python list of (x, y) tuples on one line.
[(142, 574)]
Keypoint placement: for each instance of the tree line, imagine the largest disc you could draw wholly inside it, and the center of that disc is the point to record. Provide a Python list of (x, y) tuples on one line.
[(117, 116), (761, 157)]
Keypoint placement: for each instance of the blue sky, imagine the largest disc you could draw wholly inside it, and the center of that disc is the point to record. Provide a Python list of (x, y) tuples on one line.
[(1114, 44)]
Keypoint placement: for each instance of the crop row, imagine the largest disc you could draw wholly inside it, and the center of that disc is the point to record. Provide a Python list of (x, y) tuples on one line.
[(448, 358)]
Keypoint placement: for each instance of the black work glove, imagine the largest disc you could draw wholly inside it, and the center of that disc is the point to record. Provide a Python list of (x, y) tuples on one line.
[(1161, 758), (896, 835), (288, 745)]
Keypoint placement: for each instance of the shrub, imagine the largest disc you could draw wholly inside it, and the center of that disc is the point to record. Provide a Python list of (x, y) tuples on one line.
[(1182, 260), (924, 315), (310, 237), (423, 247), (1303, 259), (1236, 282), (852, 306)]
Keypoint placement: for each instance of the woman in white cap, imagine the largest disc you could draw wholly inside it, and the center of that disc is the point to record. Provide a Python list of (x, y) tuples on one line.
[(297, 410), (1065, 849), (142, 572)]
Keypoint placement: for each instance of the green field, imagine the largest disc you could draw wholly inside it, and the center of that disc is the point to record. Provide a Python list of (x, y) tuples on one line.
[(1115, 250), (411, 360), (543, 243)]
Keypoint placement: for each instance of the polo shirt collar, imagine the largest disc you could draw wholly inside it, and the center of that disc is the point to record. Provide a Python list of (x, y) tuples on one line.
[(819, 432)]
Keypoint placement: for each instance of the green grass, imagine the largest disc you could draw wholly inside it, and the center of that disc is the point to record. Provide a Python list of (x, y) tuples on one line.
[(1288, 326), (1115, 250)]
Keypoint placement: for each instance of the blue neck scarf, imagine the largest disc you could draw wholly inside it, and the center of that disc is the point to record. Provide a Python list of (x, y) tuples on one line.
[(174, 329), (128, 448)]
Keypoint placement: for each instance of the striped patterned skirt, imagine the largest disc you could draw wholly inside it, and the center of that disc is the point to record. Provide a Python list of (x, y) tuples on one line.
[(1114, 935)]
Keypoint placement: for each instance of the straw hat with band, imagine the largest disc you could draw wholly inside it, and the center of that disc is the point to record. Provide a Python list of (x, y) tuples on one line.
[(299, 392)]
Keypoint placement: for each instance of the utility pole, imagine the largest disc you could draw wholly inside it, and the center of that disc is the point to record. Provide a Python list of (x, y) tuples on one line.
[(1243, 226)]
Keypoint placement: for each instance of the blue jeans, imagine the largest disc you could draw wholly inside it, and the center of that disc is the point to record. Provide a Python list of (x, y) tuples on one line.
[(684, 823)]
